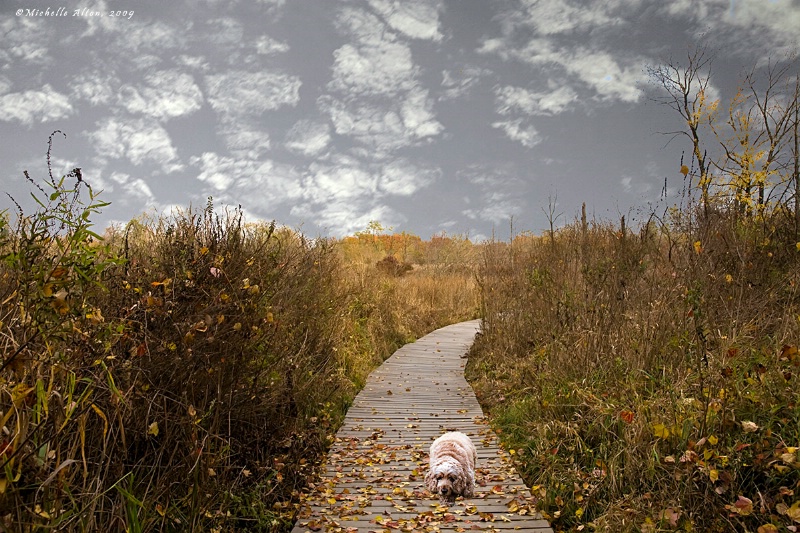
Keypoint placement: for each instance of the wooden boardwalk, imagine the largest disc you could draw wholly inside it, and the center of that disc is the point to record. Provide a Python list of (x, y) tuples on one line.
[(374, 473)]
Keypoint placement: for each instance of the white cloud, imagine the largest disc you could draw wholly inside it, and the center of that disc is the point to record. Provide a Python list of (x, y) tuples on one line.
[(693, 8), (25, 39), (343, 217), (516, 131), (384, 127), (773, 25), (418, 117), (193, 62), (133, 188), (418, 19), (272, 5), (401, 178), (343, 194), (496, 211), (34, 106), (240, 93), (219, 171), (256, 184), (377, 68), (496, 194), (337, 182), (265, 45), (225, 32), (457, 83), (377, 97), (561, 16), (96, 87), (632, 186), (308, 138), (510, 98), (243, 139), (613, 78), (611, 72), (139, 140), (164, 94)]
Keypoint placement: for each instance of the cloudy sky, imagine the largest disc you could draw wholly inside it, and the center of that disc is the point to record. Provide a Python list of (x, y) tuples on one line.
[(424, 115)]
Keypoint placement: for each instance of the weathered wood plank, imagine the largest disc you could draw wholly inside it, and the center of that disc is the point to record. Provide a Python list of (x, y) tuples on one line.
[(373, 475)]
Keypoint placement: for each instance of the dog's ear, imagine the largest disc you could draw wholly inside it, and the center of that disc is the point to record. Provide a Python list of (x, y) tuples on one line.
[(469, 484), (460, 484), (430, 481)]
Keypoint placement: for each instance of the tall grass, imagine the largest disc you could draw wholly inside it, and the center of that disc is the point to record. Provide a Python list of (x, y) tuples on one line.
[(185, 372), (648, 380)]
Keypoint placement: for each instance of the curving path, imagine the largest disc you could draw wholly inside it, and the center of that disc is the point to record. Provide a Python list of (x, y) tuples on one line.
[(374, 473)]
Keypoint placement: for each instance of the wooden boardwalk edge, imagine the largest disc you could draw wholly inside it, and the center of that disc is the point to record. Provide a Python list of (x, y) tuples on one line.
[(374, 473)]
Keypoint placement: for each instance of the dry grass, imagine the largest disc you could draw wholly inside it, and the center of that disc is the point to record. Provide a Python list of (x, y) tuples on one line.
[(185, 373), (648, 381)]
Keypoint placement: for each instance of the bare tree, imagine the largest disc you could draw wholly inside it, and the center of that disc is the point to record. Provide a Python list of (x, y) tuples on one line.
[(552, 217), (687, 93), (796, 154)]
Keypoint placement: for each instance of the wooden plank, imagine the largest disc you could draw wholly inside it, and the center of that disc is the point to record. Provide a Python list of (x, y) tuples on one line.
[(374, 473)]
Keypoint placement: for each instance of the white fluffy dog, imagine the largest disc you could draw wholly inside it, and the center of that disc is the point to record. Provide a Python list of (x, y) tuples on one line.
[(452, 467)]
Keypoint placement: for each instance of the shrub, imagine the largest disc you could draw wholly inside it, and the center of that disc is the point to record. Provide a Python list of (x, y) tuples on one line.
[(392, 266), (646, 380)]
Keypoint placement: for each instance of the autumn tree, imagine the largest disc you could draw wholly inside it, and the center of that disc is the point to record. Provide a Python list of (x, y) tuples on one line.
[(686, 90), (758, 147)]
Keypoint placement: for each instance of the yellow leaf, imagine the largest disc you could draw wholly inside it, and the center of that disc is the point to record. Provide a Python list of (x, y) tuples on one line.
[(712, 440), (95, 316), (660, 431), (684, 170), (102, 415), (793, 512), (698, 248), (713, 474), (3, 485), (152, 429)]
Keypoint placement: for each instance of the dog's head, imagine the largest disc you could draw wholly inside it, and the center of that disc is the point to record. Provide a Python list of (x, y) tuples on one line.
[(447, 479)]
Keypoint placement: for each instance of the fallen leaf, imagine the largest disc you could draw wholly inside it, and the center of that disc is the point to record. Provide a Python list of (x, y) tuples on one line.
[(749, 427)]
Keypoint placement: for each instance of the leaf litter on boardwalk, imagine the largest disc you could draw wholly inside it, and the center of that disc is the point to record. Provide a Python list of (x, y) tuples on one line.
[(367, 460)]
